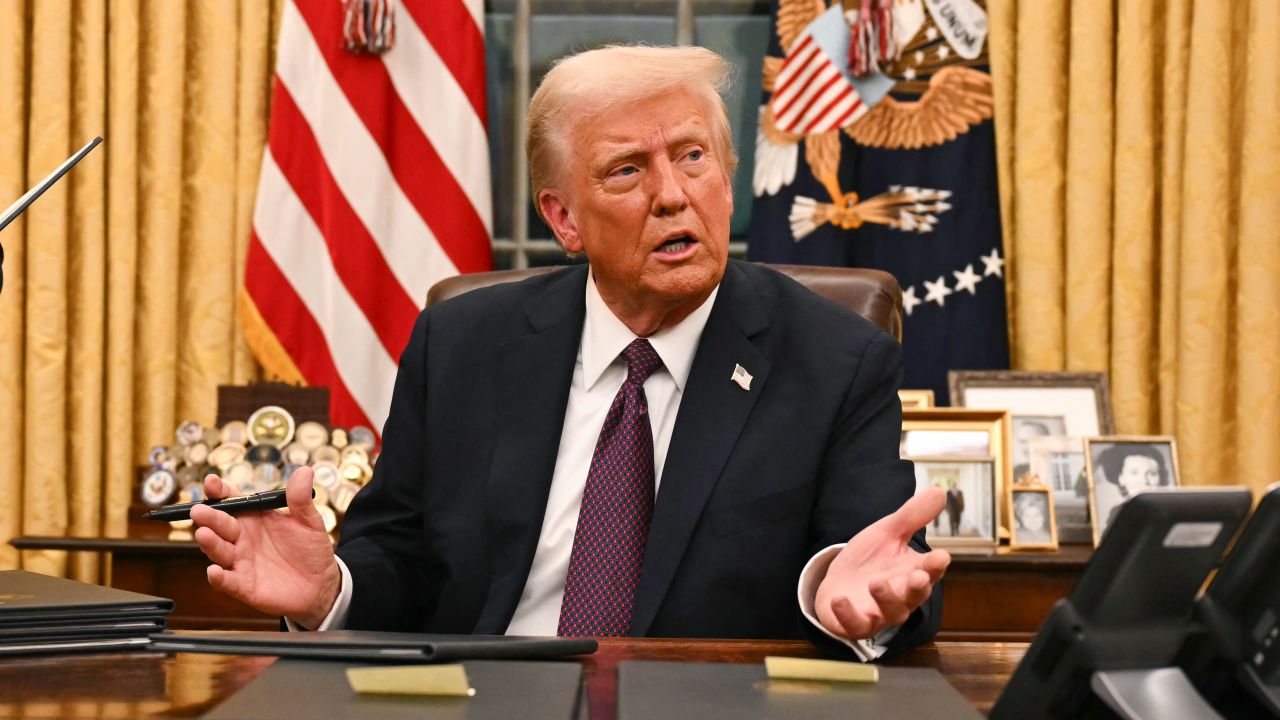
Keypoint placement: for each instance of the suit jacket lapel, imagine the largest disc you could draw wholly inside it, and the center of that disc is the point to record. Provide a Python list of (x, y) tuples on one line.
[(536, 371), (712, 412)]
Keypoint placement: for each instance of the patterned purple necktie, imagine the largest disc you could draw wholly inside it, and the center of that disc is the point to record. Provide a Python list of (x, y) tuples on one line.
[(617, 506)]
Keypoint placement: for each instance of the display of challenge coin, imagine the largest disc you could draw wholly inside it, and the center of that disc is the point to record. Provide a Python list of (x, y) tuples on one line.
[(338, 438), (189, 475), (312, 435), (235, 432), (197, 453), (342, 496), (226, 455), (363, 437), (158, 486), (189, 433), (354, 453), (325, 454), (271, 425), (295, 454), (326, 475), (212, 438), (240, 477), (356, 472), (265, 477), (263, 455), (158, 456)]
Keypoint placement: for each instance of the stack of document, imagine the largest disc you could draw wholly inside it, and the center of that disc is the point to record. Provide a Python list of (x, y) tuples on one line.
[(42, 614)]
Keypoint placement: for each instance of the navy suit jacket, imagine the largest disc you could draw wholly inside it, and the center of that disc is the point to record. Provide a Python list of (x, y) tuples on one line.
[(755, 481)]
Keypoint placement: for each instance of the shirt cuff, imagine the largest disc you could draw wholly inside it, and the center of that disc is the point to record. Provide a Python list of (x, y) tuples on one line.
[(337, 616), (807, 593)]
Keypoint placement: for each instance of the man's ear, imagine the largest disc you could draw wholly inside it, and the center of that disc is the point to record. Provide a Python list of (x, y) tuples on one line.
[(560, 218)]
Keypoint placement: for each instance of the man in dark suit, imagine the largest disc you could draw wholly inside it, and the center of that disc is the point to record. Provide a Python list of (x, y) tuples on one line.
[(664, 443)]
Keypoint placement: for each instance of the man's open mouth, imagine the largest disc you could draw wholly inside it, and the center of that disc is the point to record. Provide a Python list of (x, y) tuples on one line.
[(675, 245)]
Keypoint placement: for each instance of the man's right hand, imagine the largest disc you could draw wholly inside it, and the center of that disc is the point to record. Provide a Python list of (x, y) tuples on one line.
[(280, 561)]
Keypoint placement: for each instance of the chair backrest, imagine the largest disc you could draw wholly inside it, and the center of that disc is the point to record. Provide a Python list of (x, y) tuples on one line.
[(873, 294)]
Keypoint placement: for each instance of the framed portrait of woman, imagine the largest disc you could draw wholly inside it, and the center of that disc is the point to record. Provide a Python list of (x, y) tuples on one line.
[(1120, 467), (1034, 526)]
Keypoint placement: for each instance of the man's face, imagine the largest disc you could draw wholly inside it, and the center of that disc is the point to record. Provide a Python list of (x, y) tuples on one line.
[(1138, 473), (646, 198)]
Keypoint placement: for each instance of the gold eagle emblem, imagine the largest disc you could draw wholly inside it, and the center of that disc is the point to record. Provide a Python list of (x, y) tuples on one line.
[(952, 96)]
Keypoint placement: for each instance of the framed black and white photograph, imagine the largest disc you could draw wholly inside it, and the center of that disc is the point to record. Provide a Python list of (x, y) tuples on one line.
[(1033, 526), (970, 517), (1120, 467), (1058, 463), (1082, 400), (1027, 427)]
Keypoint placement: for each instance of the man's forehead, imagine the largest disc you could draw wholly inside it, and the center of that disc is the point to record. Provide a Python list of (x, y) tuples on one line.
[(643, 133), (674, 114)]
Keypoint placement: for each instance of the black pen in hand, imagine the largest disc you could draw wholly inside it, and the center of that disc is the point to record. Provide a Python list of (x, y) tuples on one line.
[(271, 500)]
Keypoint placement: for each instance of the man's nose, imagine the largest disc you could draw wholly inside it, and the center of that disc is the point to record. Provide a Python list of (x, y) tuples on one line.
[(668, 188)]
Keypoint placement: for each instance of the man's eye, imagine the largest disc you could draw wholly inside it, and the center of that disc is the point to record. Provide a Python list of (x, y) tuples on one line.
[(695, 155), (625, 171)]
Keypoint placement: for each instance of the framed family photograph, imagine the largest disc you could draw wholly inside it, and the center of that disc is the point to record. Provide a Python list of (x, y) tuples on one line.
[(958, 433), (1120, 467), (1042, 404), (1058, 463), (970, 519), (1033, 526)]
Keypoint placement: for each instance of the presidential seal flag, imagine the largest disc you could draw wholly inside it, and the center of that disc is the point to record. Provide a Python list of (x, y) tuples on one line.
[(876, 149), (374, 185)]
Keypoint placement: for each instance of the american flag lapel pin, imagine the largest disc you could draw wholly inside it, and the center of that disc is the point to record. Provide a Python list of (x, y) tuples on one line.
[(742, 377)]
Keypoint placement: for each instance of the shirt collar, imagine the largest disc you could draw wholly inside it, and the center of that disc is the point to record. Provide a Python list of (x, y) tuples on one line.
[(604, 337)]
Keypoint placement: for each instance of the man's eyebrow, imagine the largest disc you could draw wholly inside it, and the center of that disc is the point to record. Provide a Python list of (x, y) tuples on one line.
[(623, 150)]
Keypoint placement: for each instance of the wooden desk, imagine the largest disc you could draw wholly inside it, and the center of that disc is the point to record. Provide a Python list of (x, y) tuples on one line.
[(147, 684), (1000, 596)]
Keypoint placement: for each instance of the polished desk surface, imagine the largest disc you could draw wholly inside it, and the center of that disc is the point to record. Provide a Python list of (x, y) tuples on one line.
[(183, 685)]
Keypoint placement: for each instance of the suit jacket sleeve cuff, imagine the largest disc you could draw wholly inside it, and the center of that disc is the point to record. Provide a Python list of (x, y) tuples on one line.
[(337, 616), (807, 593)]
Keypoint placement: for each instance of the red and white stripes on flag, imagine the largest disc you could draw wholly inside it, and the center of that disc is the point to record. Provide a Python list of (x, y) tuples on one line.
[(811, 95), (375, 184)]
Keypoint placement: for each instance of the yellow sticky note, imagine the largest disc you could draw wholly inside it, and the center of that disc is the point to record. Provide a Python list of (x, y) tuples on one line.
[(450, 680), (787, 668)]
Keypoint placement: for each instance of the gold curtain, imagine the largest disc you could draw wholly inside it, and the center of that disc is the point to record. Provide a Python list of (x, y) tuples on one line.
[(1138, 144), (117, 318)]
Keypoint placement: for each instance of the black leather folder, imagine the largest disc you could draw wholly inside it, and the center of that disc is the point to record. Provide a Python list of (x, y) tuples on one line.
[(39, 613), (375, 646), (719, 691), (319, 689)]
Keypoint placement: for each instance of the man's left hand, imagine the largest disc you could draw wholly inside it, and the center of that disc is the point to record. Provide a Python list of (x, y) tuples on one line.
[(877, 580)]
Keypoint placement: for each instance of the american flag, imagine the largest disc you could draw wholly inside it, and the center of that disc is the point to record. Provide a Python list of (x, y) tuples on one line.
[(812, 95), (374, 185)]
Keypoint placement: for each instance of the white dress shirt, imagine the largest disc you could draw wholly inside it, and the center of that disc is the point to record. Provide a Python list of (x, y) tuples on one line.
[(598, 374)]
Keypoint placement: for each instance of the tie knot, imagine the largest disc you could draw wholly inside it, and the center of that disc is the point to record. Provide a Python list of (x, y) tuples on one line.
[(641, 361)]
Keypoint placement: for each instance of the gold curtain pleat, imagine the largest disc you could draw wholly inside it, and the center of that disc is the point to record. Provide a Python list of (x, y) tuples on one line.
[(1139, 141), (117, 319), (13, 127)]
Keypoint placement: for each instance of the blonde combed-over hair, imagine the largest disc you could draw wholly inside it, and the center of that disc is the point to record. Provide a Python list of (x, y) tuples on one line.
[(579, 86)]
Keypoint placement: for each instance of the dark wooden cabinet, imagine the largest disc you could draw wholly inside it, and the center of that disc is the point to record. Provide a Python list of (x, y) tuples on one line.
[(998, 596)]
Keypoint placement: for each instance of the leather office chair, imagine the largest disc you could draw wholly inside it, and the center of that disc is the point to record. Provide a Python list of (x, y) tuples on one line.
[(873, 294)]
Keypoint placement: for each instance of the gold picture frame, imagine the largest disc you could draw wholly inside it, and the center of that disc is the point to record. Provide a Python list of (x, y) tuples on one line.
[(1033, 523), (912, 399), (966, 427), (1102, 460)]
